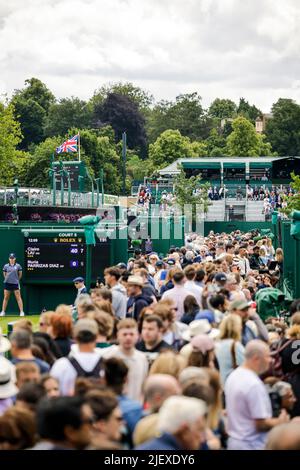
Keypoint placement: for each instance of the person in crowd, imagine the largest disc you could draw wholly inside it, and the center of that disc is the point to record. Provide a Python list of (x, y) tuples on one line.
[(64, 423), (152, 342), (168, 362), (190, 284), (178, 293), (136, 361), (108, 419), (243, 261), (286, 436), (101, 293), (61, 331), (248, 404), (86, 362), (30, 395), (148, 289), (27, 372), (218, 304), (202, 352), (152, 260), (119, 296), (191, 309), (283, 396), (21, 343), (290, 361), (80, 286), (253, 330), (139, 301), (168, 283), (116, 377), (44, 322), (172, 328), (157, 388), (160, 275), (23, 324), (17, 429), (51, 385), (229, 349), (279, 260), (198, 389), (181, 423), (8, 388), (255, 260)]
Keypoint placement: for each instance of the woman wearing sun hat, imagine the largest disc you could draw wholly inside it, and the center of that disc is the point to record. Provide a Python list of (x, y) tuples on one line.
[(7, 377), (12, 272)]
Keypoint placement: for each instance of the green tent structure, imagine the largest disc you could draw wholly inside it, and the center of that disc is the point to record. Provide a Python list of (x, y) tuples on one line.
[(295, 226), (271, 302)]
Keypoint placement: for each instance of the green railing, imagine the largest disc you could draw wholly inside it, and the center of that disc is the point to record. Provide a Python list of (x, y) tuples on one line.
[(45, 197)]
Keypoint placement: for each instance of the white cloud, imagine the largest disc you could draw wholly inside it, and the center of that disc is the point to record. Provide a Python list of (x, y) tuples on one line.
[(221, 48)]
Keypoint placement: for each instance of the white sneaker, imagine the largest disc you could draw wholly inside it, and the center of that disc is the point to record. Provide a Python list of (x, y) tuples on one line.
[(22, 314), (2, 314)]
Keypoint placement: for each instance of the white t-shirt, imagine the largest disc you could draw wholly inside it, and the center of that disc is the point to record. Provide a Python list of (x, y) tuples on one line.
[(177, 294), (195, 290), (138, 369), (64, 372), (246, 401)]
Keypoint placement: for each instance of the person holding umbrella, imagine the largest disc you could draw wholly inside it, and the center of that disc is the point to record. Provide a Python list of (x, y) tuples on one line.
[(12, 272)]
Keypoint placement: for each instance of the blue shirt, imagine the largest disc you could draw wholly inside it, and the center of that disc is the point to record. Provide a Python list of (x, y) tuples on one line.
[(165, 442), (132, 411), (43, 366), (12, 273)]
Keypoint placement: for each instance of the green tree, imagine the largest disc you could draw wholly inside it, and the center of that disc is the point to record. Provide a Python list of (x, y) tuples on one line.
[(283, 130), (168, 147), (215, 144), (31, 107), (34, 171), (250, 112), (10, 136), (198, 149), (67, 113), (122, 114), (222, 108), (245, 142), (190, 191), (143, 99), (137, 170), (293, 201), (101, 153), (186, 114)]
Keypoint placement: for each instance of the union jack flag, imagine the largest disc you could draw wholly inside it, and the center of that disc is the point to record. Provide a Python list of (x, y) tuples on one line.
[(69, 145)]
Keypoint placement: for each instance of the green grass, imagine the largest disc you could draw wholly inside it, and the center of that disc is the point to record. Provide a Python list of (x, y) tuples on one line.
[(4, 320)]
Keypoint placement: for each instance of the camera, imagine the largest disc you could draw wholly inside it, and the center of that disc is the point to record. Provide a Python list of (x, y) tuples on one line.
[(276, 403)]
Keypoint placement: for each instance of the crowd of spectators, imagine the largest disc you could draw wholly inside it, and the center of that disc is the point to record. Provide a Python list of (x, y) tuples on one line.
[(172, 353)]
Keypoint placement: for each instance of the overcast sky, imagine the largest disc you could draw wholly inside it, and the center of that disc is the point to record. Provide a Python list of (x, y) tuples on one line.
[(220, 48)]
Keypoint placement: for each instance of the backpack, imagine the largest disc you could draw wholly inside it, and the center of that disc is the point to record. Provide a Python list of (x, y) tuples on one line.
[(95, 373), (275, 369)]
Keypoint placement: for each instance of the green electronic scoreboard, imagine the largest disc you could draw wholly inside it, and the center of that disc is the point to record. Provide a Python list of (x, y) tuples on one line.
[(60, 256), (76, 170)]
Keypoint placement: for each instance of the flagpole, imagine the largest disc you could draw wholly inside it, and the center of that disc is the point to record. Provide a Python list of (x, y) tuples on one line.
[(79, 146)]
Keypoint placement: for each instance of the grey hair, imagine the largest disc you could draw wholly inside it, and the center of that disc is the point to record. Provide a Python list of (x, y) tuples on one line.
[(22, 339), (84, 299), (192, 373), (281, 388), (179, 410)]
